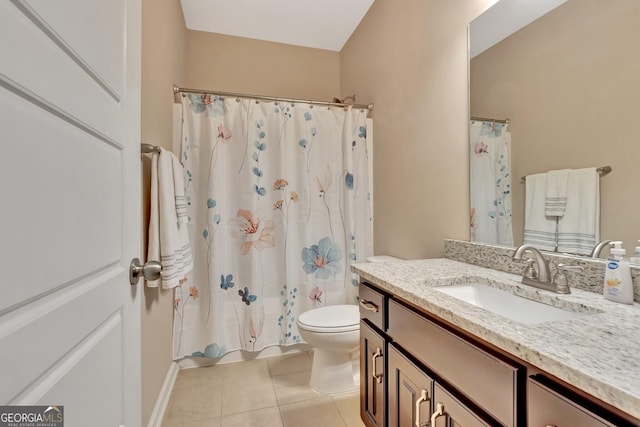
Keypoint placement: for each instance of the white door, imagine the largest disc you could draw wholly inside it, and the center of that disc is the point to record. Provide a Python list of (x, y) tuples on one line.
[(69, 208)]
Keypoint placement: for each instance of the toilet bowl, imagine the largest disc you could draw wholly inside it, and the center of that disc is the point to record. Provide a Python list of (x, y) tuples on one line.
[(334, 333)]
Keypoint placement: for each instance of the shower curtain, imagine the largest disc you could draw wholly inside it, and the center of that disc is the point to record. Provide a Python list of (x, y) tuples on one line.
[(278, 203), (490, 183)]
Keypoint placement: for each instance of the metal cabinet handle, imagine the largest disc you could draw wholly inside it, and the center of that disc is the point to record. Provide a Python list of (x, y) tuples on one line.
[(369, 306), (424, 397), (377, 354), (439, 412)]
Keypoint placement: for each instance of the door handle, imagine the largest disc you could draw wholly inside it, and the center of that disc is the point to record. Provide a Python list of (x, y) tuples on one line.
[(424, 397), (150, 270), (377, 354)]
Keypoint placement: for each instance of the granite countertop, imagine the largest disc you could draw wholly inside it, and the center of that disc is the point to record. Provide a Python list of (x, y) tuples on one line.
[(598, 352)]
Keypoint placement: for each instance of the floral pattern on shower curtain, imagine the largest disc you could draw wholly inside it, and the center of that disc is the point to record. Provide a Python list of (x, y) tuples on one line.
[(490, 183), (278, 204)]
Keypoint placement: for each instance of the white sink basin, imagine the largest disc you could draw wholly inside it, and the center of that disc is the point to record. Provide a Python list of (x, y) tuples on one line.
[(508, 305)]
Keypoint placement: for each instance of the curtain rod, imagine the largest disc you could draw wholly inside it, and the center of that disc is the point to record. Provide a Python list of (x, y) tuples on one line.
[(484, 119), (602, 170), (177, 90)]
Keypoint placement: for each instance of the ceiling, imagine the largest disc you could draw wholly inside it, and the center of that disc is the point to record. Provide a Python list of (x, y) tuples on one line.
[(322, 24), (504, 18)]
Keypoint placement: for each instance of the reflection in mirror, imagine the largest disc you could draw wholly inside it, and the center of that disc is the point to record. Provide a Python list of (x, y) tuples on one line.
[(490, 181), (569, 82)]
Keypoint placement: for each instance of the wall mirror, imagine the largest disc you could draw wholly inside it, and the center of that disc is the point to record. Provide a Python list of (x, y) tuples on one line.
[(569, 83)]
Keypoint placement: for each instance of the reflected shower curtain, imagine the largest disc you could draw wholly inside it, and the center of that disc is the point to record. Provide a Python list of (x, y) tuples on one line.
[(278, 205), (490, 183)]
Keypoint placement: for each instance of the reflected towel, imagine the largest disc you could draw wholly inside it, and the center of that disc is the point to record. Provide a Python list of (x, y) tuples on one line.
[(168, 236), (555, 202), (539, 230), (579, 229)]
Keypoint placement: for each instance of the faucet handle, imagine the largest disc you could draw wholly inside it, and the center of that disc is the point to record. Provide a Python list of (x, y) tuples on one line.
[(530, 272), (560, 279)]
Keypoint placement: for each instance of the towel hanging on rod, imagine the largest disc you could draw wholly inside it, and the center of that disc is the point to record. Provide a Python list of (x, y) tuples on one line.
[(602, 170)]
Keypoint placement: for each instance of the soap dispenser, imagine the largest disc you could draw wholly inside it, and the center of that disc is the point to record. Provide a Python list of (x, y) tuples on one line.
[(618, 286)]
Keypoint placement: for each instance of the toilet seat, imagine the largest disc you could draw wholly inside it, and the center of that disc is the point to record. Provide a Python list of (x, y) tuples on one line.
[(330, 319)]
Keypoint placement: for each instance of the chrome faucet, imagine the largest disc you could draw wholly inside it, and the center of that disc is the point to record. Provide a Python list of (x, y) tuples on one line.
[(543, 273), (541, 277), (595, 253)]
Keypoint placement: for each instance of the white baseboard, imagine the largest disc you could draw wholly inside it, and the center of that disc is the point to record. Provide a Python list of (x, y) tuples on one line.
[(163, 398)]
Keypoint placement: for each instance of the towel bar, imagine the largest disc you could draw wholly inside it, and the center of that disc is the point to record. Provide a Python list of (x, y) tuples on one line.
[(148, 148)]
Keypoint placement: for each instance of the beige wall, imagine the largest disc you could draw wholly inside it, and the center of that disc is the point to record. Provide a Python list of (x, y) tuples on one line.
[(569, 84), (163, 64), (409, 57), (236, 64)]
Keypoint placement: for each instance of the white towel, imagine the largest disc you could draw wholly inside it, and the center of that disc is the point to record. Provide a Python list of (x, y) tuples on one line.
[(168, 236), (579, 229), (539, 230), (555, 201)]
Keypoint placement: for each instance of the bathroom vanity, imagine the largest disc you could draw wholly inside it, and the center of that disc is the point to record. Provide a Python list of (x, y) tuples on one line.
[(430, 358)]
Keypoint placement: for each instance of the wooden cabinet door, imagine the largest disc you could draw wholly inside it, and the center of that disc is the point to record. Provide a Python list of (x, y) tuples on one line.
[(451, 412), (409, 392), (372, 376)]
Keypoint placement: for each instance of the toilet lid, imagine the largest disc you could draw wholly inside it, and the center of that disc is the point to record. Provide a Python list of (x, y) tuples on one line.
[(333, 318)]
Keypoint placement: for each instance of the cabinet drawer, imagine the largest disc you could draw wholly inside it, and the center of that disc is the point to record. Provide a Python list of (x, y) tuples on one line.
[(550, 408), (372, 306), (491, 383)]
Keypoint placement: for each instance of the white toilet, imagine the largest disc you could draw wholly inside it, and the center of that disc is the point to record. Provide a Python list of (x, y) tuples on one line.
[(334, 333)]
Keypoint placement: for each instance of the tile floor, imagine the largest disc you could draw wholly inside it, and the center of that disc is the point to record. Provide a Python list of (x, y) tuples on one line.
[(271, 392)]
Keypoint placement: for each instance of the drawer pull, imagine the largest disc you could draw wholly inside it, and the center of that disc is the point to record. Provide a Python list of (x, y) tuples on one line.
[(377, 354), (424, 397), (439, 412), (369, 306)]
